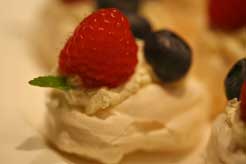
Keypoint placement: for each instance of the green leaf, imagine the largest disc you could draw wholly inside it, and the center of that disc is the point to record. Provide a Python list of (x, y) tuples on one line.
[(57, 82)]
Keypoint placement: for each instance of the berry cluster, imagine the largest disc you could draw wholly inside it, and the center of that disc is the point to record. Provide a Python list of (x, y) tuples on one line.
[(103, 51), (167, 53)]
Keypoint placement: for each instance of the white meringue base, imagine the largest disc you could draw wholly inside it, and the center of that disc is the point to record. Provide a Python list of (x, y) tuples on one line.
[(154, 120), (223, 147)]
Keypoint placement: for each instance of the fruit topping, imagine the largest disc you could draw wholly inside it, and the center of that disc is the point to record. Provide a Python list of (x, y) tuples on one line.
[(235, 79), (123, 5), (140, 26), (168, 54), (102, 50), (227, 14)]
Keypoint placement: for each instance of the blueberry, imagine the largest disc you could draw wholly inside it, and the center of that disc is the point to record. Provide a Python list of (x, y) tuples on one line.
[(235, 79), (140, 26), (123, 5), (168, 54)]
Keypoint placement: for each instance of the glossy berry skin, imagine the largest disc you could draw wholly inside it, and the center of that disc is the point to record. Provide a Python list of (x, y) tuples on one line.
[(234, 79), (102, 50), (123, 5), (227, 14), (140, 26), (243, 102), (168, 54)]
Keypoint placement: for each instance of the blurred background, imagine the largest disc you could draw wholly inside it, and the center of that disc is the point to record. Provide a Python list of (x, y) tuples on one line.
[(16, 68)]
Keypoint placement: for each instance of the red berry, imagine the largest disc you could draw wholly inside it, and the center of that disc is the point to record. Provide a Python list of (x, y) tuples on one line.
[(227, 14), (102, 50), (243, 102)]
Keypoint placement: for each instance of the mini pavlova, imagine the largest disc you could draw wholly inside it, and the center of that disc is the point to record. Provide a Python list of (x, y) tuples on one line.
[(114, 97)]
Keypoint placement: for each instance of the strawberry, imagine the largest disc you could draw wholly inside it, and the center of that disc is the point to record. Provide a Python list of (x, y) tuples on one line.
[(227, 14), (243, 102), (102, 50)]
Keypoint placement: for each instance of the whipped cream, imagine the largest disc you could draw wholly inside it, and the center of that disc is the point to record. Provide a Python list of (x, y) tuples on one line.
[(228, 140), (91, 101), (152, 120)]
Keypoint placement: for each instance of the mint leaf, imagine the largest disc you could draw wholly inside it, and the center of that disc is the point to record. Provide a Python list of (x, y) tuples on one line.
[(57, 82)]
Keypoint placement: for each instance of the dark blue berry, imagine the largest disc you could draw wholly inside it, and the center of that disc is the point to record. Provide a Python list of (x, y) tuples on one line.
[(140, 26), (123, 5), (235, 79), (168, 54)]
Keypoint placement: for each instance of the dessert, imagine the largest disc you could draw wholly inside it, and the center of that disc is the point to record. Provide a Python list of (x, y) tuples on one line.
[(222, 37), (215, 49), (192, 19), (117, 97), (227, 142), (227, 20)]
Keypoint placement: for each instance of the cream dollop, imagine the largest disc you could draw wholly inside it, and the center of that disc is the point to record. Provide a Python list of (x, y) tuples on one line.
[(228, 140), (154, 119), (92, 101)]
